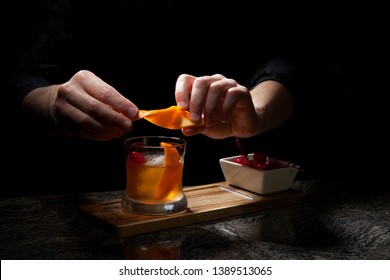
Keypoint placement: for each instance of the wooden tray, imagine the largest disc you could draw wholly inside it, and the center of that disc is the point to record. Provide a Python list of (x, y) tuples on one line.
[(205, 203)]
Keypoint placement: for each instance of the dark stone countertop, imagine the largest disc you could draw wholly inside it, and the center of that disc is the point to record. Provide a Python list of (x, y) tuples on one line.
[(334, 221)]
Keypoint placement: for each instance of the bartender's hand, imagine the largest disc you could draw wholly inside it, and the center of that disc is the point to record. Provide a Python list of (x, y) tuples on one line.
[(84, 107), (230, 109)]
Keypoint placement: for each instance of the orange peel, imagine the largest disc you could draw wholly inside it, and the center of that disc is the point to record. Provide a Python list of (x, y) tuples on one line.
[(172, 117), (172, 171)]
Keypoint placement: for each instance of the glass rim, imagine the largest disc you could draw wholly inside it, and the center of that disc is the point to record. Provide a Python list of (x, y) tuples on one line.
[(179, 141)]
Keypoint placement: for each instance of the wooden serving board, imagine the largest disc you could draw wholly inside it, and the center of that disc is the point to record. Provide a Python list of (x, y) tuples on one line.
[(205, 203)]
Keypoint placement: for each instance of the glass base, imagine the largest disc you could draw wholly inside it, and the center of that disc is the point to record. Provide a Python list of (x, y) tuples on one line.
[(132, 206)]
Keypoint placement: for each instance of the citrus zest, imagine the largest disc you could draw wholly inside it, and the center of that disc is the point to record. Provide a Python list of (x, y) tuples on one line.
[(172, 117), (172, 156), (173, 169)]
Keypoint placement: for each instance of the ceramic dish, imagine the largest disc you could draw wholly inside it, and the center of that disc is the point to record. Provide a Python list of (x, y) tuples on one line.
[(259, 181)]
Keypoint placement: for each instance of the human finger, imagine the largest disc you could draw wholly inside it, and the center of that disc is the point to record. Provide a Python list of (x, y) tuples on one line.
[(199, 93), (183, 90), (105, 93), (215, 99), (71, 121), (83, 96), (236, 98)]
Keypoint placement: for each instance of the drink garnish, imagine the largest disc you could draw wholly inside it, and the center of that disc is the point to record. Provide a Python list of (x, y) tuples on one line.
[(171, 170), (172, 117), (259, 160)]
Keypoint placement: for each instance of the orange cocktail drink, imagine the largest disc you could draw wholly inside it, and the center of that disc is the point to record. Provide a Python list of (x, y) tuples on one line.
[(154, 168), (152, 181)]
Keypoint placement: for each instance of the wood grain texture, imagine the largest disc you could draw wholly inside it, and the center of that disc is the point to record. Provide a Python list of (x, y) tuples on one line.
[(205, 203)]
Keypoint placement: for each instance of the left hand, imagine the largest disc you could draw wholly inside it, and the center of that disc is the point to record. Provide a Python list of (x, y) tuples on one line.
[(225, 106)]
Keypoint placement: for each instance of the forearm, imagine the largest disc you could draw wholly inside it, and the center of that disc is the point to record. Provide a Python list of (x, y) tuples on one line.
[(37, 109), (273, 104)]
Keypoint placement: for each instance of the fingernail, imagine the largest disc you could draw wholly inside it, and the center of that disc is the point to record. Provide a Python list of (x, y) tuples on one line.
[(182, 105), (127, 124), (194, 116), (133, 111)]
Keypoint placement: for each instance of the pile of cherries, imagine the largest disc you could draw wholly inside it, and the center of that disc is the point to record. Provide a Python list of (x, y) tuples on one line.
[(259, 160)]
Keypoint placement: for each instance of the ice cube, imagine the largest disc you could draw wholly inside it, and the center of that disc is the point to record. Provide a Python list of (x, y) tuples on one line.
[(154, 160)]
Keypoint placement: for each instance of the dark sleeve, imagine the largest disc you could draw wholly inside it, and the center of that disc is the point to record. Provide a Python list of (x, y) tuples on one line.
[(312, 81), (280, 70), (319, 123), (41, 43)]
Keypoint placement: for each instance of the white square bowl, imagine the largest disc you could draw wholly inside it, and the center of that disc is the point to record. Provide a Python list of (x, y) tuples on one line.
[(259, 181)]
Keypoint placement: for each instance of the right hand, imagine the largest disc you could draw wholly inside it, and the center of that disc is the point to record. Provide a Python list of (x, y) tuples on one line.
[(84, 107)]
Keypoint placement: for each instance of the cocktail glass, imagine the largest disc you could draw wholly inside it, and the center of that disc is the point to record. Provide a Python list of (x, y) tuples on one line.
[(154, 169)]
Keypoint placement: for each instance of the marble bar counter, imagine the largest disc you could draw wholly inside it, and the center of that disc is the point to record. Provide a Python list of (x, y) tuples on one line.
[(334, 221)]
